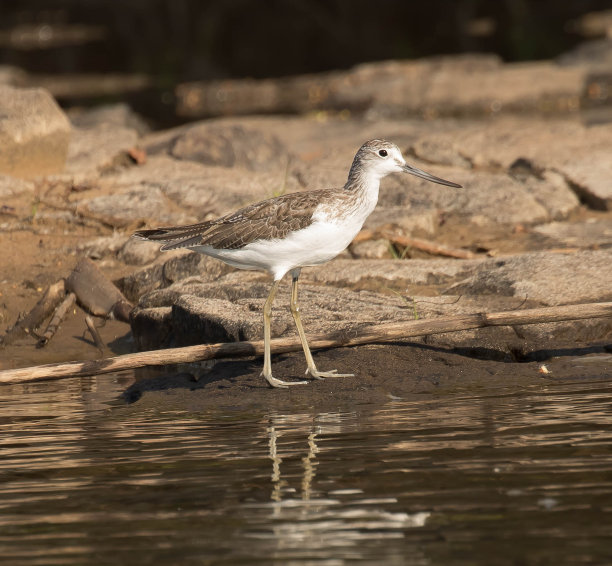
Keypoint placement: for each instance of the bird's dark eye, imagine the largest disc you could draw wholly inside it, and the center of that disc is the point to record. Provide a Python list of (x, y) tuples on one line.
[(383, 153)]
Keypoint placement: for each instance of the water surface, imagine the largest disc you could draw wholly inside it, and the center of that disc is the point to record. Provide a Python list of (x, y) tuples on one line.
[(510, 477)]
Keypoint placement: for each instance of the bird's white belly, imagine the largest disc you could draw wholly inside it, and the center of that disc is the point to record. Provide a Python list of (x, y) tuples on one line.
[(316, 244)]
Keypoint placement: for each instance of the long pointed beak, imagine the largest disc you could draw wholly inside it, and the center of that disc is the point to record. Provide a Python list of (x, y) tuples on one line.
[(428, 176)]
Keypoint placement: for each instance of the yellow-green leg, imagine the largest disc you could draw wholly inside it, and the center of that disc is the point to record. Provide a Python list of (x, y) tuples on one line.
[(267, 368), (295, 311)]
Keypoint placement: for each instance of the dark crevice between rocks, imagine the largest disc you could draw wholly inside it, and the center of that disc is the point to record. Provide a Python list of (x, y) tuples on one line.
[(522, 169), (585, 197)]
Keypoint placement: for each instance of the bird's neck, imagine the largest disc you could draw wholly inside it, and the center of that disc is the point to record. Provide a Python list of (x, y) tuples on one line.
[(364, 185), (360, 179)]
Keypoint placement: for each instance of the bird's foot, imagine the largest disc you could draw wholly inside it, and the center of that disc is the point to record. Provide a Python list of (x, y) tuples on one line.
[(316, 374), (273, 382)]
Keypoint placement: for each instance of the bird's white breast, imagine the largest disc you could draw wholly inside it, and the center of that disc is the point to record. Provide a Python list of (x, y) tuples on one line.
[(313, 245)]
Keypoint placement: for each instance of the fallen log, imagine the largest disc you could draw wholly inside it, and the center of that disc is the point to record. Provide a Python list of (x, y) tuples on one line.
[(371, 334), (96, 293)]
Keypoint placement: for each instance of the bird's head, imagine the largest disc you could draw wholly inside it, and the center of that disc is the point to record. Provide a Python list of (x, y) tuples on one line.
[(381, 157)]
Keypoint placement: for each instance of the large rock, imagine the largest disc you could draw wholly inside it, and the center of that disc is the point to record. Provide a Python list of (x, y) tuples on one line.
[(34, 133), (579, 153), (230, 146), (548, 278), (201, 191), (230, 309), (94, 149), (135, 205), (196, 299)]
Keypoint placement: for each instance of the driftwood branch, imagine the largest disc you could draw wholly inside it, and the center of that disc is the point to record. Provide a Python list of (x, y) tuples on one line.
[(56, 319), (371, 334), (41, 310)]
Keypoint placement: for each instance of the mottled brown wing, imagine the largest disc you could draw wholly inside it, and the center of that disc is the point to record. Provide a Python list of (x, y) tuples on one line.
[(265, 220)]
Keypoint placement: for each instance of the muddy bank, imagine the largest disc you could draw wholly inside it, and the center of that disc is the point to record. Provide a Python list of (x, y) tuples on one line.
[(383, 373)]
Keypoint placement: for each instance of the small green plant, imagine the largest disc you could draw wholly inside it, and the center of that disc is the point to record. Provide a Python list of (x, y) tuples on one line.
[(394, 253), (34, 209), (283, 187), (409, 301)]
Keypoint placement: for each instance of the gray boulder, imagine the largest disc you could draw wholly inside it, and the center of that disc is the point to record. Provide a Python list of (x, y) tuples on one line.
[(230, 146), (34, 133)]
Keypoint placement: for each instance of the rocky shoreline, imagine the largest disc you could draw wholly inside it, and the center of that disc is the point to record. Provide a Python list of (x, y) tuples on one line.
[(535, 216)]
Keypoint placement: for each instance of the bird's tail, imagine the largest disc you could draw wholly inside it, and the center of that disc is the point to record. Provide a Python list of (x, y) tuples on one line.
[(175, 237)]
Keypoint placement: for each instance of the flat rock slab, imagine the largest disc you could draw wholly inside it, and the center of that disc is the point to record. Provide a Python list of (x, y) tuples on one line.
[(230, 309), (34, 133), (592, 232), (548, 278), (371, 274), (544, 277)]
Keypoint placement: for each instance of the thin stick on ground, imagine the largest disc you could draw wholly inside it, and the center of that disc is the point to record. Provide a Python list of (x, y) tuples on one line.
[(56, 319), (370, 334), (428, 246)]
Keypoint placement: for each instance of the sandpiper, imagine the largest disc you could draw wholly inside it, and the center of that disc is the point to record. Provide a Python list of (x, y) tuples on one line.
[(285, 233)]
